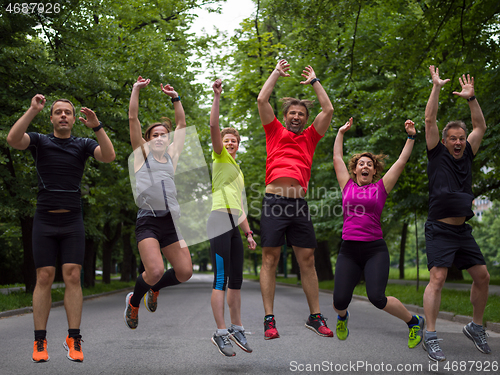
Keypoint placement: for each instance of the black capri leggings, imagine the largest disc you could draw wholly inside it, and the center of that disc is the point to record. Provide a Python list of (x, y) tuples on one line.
[(354, 258), (226, 250)]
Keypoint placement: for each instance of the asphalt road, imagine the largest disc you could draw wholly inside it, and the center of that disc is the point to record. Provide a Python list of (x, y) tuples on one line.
[(176, 339)]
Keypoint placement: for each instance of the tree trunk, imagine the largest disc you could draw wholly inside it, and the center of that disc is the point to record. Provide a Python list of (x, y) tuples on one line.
[(322, 261), (281, 268), (89, 263), (109, 243), (295, 266), (454, 273), (128, 253), (402, 248), (29, 271)]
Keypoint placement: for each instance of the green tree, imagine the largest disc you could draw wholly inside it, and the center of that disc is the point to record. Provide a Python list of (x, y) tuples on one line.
[(91, 52)]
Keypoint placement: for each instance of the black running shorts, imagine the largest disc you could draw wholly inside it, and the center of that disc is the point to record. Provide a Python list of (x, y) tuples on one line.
[(286, 217), (447, 244), (161, 228), (56, 234)]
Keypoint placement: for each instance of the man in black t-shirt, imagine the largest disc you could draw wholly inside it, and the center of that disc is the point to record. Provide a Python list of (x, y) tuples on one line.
[(58, 222), (448, 237)]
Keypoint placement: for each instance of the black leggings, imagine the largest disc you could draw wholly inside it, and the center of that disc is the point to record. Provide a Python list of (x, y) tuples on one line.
[(226, 251), (354, 258)]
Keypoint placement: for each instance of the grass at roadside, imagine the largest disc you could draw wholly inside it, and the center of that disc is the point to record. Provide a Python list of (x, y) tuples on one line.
[(17, 300), (455, 301)]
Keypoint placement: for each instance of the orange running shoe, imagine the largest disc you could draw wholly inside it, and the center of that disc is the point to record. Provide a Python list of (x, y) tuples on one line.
[(74, 347), (151, 300), (40, 353), (131, 313)]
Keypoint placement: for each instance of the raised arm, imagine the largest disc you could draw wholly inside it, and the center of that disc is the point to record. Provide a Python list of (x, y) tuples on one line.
[(338, 154), (17, 137), (133, 113), (392, 175), (323, 119), (265, 109), (431, 130), (214, 118), (175, 149), (478, 122), (105, 151)]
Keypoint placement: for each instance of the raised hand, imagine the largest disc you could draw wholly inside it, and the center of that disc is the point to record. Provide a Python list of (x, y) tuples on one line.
[(91, 121), (435, 77), (410, 127), (308, 74), (169, 90), (283, 67), (38, 102), (467, 84), (346, 126), (217, 86), (141, 83)]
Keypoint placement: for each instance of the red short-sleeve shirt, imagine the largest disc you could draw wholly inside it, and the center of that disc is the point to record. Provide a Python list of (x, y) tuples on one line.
[(289, 154)]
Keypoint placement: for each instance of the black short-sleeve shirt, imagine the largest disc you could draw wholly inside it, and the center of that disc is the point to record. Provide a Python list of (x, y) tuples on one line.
[(59, 164), (450, 183)]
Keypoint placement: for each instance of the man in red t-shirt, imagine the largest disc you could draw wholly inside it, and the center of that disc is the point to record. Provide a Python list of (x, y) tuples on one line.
[(290, 151)]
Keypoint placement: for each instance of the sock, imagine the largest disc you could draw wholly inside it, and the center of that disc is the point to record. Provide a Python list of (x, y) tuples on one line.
[(168, 279), (40, 334), (237, 328), (141, 287), (413, 321), (430, 335), (221, 332), (74, 332), (315, 316), (342, 317)]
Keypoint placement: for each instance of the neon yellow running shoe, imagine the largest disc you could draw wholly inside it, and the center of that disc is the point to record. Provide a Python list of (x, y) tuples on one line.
[(342, 330), (416, 333)]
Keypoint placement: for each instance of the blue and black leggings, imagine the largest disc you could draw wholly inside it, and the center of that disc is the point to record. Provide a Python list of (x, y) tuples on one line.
[(226, 248)]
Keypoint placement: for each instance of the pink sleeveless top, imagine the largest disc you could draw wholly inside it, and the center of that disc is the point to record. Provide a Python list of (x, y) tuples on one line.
[(362, 208)]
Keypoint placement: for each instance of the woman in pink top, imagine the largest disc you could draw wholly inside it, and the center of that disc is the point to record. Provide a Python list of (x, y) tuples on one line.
[(363, 248)]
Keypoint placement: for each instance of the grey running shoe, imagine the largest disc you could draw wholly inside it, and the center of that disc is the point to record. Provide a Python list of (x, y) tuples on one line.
[(151, 300), (240, 339), (131, 313), (478, 336), (223, 344), (433, 349)]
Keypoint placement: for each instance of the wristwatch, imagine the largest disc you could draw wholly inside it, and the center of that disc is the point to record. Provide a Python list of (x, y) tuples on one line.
[(97, 128)]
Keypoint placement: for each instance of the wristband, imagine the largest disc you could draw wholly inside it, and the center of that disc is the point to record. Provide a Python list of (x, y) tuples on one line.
[(314, 81), (412, 137), (178, 99), (473, 97), (248, 233), (97, 128)]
